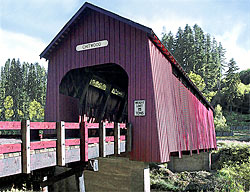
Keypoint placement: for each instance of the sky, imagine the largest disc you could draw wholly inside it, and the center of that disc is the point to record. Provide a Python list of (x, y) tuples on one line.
[(28, 26)]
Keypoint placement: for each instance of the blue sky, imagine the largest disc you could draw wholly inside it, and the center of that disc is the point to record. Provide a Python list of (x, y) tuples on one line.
[(28, 26)]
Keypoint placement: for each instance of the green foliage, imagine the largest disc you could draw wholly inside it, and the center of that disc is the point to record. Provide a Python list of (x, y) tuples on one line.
[(197, 80), (8, 105), (8, 102), (23, 83), (164, 180), (232, 81), (236, 119), (36, 111), (234, 165), (232, 154), (228, 174), (200, 54), (209, 95), (219, 120), (245, 76), (243, 89)]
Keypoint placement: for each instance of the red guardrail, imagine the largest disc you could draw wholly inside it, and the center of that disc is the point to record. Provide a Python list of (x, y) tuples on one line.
[(16, 125)]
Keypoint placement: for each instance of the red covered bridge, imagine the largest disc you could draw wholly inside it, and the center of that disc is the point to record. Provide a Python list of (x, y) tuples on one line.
[(126, 57), (109, 71)]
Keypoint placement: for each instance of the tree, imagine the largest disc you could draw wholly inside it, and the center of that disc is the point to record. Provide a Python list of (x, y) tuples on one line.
[(219, 120), (245, 76), (197, 80), (232, 81), (199, 51), (8, 105), (36, 111)]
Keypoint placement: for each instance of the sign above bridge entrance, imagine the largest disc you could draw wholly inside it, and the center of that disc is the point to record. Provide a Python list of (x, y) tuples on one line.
[(93, 45)]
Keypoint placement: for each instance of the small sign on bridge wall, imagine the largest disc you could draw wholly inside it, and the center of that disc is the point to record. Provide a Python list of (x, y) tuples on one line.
[(139, 107), (93, 45)]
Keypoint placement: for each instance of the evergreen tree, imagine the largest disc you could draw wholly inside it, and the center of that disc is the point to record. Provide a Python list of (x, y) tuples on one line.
[(199, 50), (188, 49), (168, 41), (178, 47), (15, 83), (232, 81)]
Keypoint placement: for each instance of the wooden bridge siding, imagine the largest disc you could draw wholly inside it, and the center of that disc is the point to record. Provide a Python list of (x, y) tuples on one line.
[(181, 116), (160, 71), (129, 48)]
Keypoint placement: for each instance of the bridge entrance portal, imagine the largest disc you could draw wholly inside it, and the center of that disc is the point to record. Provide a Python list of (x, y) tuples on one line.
[(97, 93)]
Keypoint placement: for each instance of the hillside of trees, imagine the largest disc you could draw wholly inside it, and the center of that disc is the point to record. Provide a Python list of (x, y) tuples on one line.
[(22, 91), (203, 58)]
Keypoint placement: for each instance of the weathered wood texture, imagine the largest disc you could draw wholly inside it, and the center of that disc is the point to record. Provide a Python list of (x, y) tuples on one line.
[(25, 128), (102, 140), (117, 135), (84, 141), (60, 143)]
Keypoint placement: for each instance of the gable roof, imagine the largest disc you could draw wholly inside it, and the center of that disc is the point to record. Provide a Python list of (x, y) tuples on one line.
[(86, 7)]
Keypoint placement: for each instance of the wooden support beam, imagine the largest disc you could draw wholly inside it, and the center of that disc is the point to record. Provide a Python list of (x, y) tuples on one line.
[(84, 141), (60, 143), (117, 139), (62, 176), (102, 140), (25, 129), (129, 138)]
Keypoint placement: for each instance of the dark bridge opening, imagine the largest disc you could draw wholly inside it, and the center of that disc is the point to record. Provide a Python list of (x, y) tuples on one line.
[(101, 92)]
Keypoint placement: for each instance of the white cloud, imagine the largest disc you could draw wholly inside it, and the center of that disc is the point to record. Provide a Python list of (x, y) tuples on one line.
[(233, 50), (171, 23), (17, 45)]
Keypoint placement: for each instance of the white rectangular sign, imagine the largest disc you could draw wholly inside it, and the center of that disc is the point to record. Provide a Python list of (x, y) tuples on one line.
[(92, 45), (139, 107)]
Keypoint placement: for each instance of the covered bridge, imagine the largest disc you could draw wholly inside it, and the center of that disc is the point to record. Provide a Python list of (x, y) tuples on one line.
[(105, 67)]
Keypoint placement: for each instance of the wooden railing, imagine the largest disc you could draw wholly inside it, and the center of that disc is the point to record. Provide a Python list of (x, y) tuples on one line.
[(26, 145)]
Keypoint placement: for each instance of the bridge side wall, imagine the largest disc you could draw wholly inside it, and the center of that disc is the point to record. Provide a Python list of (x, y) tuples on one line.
[(183, 122)]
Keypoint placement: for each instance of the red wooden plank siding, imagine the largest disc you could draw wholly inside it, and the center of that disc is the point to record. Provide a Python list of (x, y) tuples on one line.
[(184, 123), (174, 118)]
